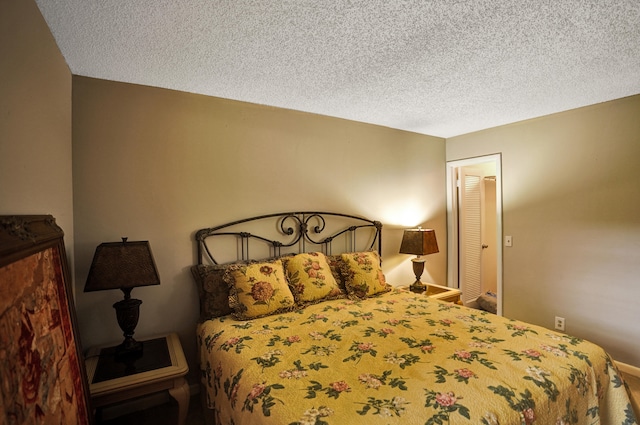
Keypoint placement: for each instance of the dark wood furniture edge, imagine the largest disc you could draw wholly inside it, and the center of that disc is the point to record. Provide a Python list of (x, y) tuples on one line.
[(23, 235)]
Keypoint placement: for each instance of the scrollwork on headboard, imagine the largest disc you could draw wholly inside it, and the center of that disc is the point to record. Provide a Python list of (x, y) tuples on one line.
[(293, 232)]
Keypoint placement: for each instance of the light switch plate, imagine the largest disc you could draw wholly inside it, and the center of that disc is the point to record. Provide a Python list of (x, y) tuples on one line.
[(508, 241)]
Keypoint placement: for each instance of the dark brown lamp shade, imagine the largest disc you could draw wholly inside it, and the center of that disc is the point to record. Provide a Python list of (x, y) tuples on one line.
[(122, 265), (419, 242)]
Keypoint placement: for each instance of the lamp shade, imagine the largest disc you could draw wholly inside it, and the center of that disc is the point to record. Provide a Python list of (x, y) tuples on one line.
[(419, 242), (122, 265)]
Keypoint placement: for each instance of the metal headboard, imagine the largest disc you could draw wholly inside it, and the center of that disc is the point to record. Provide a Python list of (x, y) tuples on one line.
[(294, 232)]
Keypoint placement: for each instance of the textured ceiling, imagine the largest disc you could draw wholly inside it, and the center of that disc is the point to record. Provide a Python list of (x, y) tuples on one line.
[(437, 67)]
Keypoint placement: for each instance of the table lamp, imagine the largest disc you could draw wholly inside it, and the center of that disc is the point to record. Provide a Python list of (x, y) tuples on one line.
[(123, 265), (418, 242)]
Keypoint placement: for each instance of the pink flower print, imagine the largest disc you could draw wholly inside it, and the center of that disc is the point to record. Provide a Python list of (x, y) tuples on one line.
[(365, 346), (465, 373), (427, 348), (387, 331), (531, 353), (292, 374), (293, 338), (554, 350), (316, 335), (393, 322), (446, 400), (446, 322), (529, 416), (231, 342), (461, 354), (234, 393), (369, 380), (256, 391), (340, 386)]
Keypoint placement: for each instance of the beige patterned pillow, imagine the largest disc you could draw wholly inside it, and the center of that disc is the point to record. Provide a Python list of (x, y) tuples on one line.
[(258, 289), (310, 278), (363, 274)]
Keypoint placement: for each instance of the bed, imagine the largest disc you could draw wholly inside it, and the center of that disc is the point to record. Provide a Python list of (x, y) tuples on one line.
[(313, 334)]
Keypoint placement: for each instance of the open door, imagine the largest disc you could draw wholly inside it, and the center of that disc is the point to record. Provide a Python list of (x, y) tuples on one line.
[(470, 240), (474, 227)]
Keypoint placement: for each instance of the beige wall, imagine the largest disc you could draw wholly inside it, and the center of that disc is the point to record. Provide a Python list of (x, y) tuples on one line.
[(35, 119), (571, 203), (154, 164)]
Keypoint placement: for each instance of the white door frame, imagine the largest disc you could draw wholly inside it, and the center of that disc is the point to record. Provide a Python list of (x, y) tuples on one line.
[(452, 219)]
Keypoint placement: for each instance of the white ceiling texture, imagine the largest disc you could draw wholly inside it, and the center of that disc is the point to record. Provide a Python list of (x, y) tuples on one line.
[(436, 67)]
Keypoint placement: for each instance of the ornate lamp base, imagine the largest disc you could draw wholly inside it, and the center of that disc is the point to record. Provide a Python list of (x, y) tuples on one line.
[(127, 313), (417, 287), (418, 268)]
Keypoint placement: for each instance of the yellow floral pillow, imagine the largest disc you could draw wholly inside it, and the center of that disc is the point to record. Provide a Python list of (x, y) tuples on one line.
[(258, 289), (310, 278), (363, 274)]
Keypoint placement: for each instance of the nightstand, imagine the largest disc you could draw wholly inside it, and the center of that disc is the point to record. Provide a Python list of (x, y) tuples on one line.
[(160, 366), (442, 293)]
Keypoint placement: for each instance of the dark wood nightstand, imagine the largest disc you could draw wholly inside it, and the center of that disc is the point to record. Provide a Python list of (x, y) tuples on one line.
[(161, 366)]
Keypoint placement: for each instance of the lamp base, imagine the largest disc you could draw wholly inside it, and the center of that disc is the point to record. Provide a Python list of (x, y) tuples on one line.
[(127, 313), (128, 353), (418, 268), (418, 287), (129, 345)]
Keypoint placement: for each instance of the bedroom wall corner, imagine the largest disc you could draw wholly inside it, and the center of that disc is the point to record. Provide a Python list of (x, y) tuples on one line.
[(570, 202), (156, 164), (35, 119)]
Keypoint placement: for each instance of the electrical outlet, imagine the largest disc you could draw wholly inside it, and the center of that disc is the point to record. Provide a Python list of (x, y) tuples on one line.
[(508, 241), (559, 323)]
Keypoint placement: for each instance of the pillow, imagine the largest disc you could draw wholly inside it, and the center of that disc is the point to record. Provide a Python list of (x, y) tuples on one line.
[(488, 302), (310, 278), (363, 275), (213, 291), (258, 289), (337, 269)]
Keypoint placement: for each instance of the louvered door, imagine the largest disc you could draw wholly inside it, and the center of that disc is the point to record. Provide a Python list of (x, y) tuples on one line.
[(470, 235)]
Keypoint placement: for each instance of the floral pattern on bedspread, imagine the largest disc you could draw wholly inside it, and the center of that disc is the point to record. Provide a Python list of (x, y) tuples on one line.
[(404, 358)]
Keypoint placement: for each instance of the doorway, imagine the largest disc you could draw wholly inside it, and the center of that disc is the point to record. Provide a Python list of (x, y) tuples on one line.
[(474, 227)]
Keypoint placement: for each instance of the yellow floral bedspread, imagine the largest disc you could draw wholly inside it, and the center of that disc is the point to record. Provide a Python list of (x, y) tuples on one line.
[(404, 358)]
